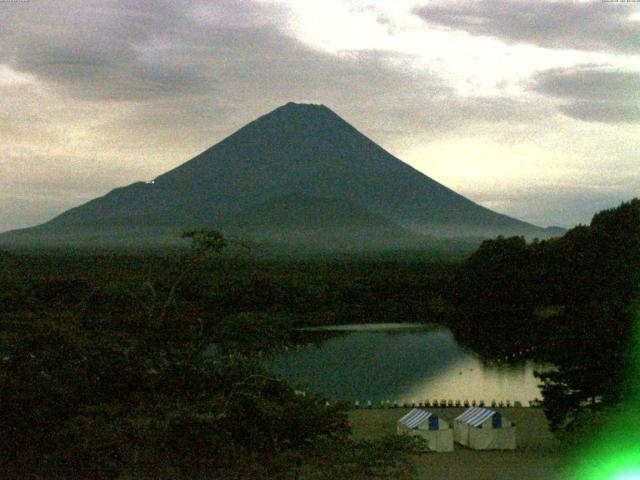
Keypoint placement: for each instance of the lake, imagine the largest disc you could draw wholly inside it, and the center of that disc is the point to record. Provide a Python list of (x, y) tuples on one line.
[(400, 362)]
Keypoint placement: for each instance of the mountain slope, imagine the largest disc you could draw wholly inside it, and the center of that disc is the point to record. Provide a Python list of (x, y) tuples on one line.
[(326, 223), (297, 148)]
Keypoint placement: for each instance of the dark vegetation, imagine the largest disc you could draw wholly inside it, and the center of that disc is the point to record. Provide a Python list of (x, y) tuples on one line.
[(132, 366), (118, 365), (569, 302), (108, 287)]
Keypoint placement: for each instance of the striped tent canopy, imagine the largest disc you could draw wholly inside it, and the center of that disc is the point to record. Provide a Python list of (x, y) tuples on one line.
[(417, 417), (477, 415)]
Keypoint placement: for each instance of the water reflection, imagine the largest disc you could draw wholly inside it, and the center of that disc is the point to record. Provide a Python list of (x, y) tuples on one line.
[(403, 363), (370, 327), (470, 380)]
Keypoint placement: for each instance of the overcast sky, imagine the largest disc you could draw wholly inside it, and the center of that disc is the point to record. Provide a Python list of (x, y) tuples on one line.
[(529, 107)]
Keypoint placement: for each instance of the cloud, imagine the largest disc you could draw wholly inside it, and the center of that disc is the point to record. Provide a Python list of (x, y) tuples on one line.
[(590, 83), (188, 63), (605, 112), (228, 50), (90, 49), (593, 93), (98, 94), (556, 24)]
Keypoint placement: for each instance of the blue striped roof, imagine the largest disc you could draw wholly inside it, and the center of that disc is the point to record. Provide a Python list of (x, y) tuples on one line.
[(415, 418), (475, 416)]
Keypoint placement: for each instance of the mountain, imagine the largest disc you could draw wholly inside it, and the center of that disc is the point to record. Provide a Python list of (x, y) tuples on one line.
[(302, 159)]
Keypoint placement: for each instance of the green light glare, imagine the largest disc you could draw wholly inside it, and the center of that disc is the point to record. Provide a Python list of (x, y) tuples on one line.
[(614, 452), (620, 467)]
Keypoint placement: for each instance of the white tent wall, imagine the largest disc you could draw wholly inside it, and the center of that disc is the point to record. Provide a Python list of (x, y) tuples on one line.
[(483, 436), (440, 440), (443, 441), (436, 440), (461, 433), (492, 438)]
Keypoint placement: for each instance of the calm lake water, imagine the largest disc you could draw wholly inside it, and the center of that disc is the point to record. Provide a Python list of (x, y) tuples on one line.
[(400, 362)]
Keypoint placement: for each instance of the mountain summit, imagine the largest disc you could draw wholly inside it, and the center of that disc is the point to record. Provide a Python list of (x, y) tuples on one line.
[(332, 179)]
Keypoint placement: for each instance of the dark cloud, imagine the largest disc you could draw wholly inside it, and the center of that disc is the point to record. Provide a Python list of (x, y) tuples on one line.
[(593, 93), (605, 112), (228, 54), (593, 26), (189, 61), (95, 50), (590, 83)]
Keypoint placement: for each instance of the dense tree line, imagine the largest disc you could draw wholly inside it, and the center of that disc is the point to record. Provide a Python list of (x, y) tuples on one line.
[(568, 301), (309, 291)]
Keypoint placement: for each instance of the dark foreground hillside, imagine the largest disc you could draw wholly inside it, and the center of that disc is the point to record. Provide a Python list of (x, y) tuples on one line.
[(116, 366), (148, 366)]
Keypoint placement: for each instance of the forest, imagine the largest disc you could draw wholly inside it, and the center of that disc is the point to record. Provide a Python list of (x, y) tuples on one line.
[(570, 302), (116, 365)]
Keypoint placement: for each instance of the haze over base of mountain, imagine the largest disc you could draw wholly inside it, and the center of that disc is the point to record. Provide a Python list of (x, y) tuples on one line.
[(298, 175)]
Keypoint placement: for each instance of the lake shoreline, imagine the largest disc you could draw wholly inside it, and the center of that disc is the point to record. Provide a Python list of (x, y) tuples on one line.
[(397, 364), (369, 327)]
